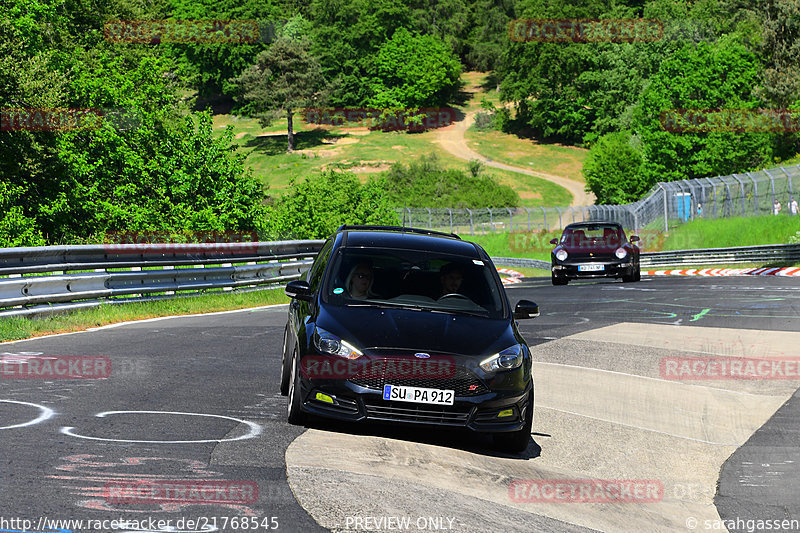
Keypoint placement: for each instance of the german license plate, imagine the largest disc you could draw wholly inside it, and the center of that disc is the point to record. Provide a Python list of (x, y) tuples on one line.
[(418, 395), (590, 268)]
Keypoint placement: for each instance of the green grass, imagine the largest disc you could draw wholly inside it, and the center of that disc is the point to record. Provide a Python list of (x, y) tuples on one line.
[(559, 160), (22, 328), (702, 233), (509, 245), (737, 231), (368, 152)]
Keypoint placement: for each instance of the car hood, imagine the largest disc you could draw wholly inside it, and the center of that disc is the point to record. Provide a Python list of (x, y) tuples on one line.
[(604, 249), (370, 329)]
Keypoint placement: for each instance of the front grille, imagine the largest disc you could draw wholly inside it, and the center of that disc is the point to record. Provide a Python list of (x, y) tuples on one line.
[(447, 415), (597, 257), (464, 382)]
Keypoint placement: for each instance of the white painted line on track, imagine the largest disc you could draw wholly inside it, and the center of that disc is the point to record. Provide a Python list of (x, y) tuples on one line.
[(255, 429), (45, 414), (155, 319), (618, 423), (589, 368)]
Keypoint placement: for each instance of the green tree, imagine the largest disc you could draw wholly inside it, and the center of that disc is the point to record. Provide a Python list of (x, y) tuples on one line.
[(314, 208), (613, 169), (208, 67), (284, 78), (158, 176), (413, 71), (707, 76), (346, 36), (772, 30)]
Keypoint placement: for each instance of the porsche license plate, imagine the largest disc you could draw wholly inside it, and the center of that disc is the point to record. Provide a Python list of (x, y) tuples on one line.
[(590, 268), (418, 395)]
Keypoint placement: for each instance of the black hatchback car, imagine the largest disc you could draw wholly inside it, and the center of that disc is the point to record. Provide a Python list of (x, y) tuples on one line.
[(404, 325), (594, 250)]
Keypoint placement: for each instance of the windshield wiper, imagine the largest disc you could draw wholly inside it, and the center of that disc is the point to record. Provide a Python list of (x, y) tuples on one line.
[(418, 307), (415, 307), (458, 311)]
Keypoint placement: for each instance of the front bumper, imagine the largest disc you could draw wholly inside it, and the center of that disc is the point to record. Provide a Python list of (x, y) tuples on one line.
[(611, 269), (356, 403)]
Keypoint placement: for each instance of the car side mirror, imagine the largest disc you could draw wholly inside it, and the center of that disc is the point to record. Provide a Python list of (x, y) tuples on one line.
[(634, 238), (553, 241), (299, 289), (526, 309)]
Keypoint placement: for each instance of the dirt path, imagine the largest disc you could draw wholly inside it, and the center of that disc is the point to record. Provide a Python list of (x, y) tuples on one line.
[(453, 141)]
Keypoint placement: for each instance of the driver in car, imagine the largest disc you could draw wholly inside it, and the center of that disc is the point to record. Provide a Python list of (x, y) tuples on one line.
[(450, 277)]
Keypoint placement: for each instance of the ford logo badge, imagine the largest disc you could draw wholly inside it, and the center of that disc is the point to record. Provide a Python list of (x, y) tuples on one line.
[(422, 355)]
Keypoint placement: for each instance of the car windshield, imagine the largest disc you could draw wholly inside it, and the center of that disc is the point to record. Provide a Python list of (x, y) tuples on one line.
[(593, 236), (420, 280)]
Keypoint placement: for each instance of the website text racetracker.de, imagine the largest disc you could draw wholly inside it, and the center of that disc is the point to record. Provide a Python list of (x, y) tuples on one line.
[(202, 523)]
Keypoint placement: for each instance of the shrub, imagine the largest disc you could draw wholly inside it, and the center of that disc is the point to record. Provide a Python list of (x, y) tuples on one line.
[(314, 208), (425, 183)]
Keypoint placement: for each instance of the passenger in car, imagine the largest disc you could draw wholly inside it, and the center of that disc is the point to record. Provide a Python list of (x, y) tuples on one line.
[(359, 281), (611, 237)]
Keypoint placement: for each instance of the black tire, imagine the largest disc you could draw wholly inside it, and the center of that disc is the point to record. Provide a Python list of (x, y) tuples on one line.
[(517, 441), (627, 278), (294, 411), (638, 273), (558, 280), (284, 366)]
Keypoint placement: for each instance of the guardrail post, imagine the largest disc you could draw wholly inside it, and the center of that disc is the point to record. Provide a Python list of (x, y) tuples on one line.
[(789, 177), (451, 219), (664, 192), (560, 224), (772, 185), (471, 229), (544, 216), (430, 218), (510, 220), (755, 192), (741, 186), (714, 193)]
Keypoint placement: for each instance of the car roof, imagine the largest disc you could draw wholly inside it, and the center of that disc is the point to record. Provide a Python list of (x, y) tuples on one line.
[(406, 238), (577, 225)]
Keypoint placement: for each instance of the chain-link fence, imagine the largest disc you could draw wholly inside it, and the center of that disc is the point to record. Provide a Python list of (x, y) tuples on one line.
[(747, 194)]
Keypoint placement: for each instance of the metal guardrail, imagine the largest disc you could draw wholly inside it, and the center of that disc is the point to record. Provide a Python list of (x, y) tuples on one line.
[(521, 262), (27, 260), (149, 269), (162, 268), (765, 254)]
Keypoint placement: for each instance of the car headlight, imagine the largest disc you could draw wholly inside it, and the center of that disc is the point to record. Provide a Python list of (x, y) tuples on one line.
[(508, 359), (621, 253), (327, 342), (561, 254)]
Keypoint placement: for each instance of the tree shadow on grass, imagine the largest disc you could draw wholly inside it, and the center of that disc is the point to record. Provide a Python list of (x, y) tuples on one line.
[(490, 83), (275, 144)]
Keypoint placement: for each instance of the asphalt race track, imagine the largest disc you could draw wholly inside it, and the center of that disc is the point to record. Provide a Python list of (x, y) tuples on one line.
[(192, 404)]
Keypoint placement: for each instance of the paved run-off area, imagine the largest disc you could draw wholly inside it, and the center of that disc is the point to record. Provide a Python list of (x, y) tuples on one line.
[(603, 412)]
